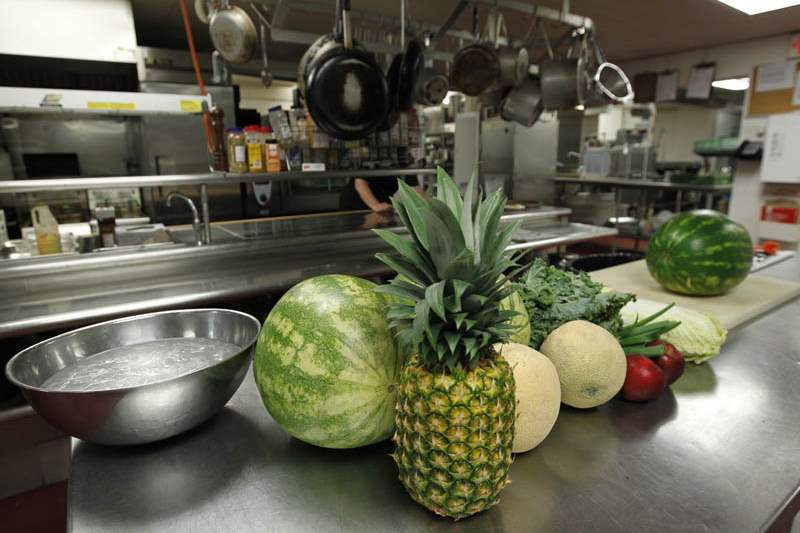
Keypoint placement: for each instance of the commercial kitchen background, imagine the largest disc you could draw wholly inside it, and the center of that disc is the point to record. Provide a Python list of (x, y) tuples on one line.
[(578, 173)]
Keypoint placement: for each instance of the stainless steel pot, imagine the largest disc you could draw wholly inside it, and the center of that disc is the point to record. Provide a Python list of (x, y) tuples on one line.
[(126, 413), (514, 63), (431, 87), (233, 33), (475, 69), (523, 104), (563, 83)]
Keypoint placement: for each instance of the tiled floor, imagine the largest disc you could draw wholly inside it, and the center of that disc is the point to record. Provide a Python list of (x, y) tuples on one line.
[(39, 511)]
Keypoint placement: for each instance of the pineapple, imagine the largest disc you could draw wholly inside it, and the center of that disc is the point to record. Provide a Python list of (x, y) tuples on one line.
[(455, 409)]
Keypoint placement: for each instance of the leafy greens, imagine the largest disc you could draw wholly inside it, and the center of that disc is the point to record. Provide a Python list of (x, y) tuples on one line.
[(553, 297)]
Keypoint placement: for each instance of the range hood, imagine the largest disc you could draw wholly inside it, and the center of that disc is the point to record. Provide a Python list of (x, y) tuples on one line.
[(93, 30)]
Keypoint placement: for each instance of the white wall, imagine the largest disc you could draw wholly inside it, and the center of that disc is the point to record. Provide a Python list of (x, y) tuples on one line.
[(733, 60), (98, 30), (676, 130), (253, 94)]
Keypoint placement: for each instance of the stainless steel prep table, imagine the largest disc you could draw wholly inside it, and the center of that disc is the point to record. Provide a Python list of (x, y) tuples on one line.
[(632, 183), (258, 257), (718, 453)]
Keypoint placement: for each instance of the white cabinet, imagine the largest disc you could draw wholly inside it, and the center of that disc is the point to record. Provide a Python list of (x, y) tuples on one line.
[(781, 160)]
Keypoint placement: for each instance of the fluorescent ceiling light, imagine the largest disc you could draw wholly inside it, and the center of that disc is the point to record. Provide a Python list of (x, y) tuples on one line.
[(732, 84), (754, 7)]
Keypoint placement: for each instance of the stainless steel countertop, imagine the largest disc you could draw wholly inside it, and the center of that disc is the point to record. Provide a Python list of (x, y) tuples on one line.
[(42, 293), (634, 183), (719, 452)]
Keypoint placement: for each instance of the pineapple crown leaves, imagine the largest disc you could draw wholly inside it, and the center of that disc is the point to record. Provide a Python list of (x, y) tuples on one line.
[(450, 282)]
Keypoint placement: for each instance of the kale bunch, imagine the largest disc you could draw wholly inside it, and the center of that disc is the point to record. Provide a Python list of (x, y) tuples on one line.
[(553, 297)]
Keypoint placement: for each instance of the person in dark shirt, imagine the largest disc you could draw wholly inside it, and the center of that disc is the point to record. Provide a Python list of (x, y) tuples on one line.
[(373, 193)]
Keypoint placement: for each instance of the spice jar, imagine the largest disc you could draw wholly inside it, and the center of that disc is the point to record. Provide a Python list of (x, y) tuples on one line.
[(237, 151), (255, 149), (272, 152)]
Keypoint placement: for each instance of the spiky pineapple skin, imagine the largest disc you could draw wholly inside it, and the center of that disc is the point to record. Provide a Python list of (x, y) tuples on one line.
[(454, 435)]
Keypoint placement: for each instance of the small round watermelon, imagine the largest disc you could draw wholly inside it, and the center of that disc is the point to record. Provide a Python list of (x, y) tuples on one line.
[(327, 365), (700, 253)]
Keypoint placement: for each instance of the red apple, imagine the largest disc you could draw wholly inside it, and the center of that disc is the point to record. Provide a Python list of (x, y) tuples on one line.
[(671, 361), (644, 380)]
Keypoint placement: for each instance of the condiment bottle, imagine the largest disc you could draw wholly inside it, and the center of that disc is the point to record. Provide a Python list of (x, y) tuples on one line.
[(45, 226), (107, 225), (255, 150), (237, 151), (272, 151)]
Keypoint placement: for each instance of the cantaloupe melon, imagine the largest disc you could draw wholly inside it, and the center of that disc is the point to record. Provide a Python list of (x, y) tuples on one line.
[(538, 395), (590, 363)]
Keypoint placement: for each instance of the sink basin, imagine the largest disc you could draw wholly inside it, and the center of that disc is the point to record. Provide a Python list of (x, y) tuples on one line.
[(218, 235)]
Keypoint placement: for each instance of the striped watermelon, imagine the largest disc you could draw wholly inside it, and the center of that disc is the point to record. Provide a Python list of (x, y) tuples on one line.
[(326, 363), (700, 253)]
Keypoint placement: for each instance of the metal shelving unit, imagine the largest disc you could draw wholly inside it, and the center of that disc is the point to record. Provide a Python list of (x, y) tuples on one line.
[(202, 180)]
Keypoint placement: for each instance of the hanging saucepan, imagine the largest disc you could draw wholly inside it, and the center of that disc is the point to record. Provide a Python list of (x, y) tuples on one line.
[(514, 62), (393, 82), (523, 104), (430, 87), (345, 90), (563, 81), (233, 33), (412, 66), (476, 67), (609, 82)]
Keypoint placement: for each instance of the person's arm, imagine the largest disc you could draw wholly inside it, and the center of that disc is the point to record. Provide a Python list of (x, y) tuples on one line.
[(365, 193)]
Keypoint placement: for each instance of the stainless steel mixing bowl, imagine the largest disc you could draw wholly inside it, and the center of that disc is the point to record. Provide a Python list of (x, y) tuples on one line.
[(137, 414)]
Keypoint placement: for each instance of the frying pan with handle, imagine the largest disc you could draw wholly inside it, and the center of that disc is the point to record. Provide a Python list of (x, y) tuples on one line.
[(393, 80), (233, 33), (345, 89)]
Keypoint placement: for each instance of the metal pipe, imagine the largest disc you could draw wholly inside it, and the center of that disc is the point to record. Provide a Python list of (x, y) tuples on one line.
[(449, 22), (206, 217), (177, 180), (195, 217), (402, 25), (280, 34)]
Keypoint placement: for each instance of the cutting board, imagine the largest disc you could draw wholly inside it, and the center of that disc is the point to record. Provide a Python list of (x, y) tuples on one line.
[(752, 298)]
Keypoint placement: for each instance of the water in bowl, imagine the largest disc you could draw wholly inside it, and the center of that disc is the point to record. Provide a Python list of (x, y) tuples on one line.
[(140, 364)]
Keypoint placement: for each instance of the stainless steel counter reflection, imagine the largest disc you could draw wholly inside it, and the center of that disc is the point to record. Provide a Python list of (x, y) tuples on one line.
[(716, 453), (255, 258)]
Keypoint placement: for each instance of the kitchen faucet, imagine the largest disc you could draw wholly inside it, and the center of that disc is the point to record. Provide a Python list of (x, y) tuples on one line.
[(196, 224)]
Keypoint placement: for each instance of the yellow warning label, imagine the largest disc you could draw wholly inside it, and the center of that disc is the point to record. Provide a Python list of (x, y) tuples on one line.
[(191, 106), (111, 105)]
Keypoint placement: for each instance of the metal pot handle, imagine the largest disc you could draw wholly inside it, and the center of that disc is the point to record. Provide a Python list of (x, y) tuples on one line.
[(347, 29), (539, 24), (614, 98), (501, 27), (598, 54)]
